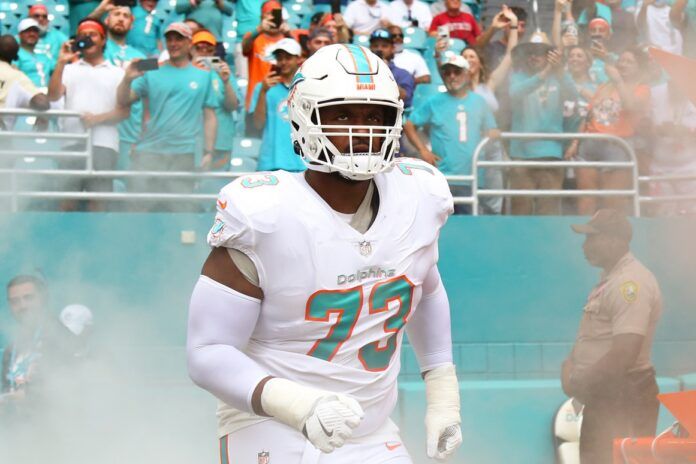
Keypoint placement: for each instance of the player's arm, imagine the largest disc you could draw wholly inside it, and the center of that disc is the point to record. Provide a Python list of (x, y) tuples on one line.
[(429, 332)]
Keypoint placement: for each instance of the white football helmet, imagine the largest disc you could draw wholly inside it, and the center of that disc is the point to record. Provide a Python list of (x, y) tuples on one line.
[(338, 75)]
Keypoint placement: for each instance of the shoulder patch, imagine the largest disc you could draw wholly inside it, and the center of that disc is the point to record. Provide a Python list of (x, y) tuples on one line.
[(629, 291)]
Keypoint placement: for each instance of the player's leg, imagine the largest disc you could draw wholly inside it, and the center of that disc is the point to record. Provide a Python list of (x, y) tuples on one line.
[(268, 441)]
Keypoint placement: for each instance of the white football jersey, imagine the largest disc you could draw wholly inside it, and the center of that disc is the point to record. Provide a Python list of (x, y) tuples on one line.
[(335, 300)]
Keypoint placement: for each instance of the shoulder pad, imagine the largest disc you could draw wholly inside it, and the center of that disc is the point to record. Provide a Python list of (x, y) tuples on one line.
[(248, 205), (430, 182)]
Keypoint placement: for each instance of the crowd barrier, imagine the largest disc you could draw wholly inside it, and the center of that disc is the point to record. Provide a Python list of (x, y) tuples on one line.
[(15, 191)]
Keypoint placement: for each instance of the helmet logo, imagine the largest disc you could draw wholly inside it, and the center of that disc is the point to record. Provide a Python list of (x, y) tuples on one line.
[(359, 65)]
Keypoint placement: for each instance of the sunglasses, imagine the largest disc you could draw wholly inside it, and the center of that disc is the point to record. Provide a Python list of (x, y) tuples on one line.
[(398, 36), (39, 16)]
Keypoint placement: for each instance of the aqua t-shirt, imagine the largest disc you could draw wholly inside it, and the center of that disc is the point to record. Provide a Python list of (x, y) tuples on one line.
[(248, 15), (145, 33), (276, 147), (37, 66), (457, 126), (121, 56), (207, 14), (175, 99), (226, 119), (537, 106), (49, 44)]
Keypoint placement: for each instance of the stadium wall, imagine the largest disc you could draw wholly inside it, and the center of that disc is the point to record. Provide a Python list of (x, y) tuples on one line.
[(516, 285)]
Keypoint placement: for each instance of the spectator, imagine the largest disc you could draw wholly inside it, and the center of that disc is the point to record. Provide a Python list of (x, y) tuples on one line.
[(575, 111), (169, 137), (119, 22), (600, 33), (484, 82), (537, 93), (460, 25), (617, 108), (255, 46), (204, 45), (564, 26), (382, 45), (335, 24), (458, 119), (50, 39), (656, 28), (683, 16), (409, 60), (364, 16), (37, 66), (39, 338), (495, 50), (409, 13), (317, 39), (673, 118), (609, 369), (269, 107), (88, 86), (623, 27), (247, 16), (145, 33), (210, 14), (584, 11)]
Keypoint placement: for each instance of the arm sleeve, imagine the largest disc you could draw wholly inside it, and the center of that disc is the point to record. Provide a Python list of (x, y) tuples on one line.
[(429, 330), (221, 321)]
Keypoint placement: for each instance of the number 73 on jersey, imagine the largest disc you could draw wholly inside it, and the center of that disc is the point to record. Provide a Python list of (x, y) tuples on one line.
[(393, 295)]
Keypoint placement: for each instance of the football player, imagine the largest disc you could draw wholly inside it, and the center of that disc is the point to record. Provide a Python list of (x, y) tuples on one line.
[(297, 320)]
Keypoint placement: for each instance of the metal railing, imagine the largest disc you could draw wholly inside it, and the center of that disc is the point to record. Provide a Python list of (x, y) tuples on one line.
[(632, 164)]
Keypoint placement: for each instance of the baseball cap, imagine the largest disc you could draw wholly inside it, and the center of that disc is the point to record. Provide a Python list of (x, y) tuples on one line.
[(288, 45), (381, 34), (26, 24), (76, 318), (454, 59), (607, 221), (180, 28), (203, 36), (270, 6)]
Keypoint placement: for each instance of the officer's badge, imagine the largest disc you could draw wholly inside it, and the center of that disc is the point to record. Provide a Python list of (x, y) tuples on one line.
[(629, 291), (264, 457)]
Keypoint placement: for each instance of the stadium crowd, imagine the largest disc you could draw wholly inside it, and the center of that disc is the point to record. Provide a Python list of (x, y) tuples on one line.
[(172, 86)]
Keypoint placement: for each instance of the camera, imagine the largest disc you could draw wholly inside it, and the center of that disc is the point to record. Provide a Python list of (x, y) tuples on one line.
[(81, 43)]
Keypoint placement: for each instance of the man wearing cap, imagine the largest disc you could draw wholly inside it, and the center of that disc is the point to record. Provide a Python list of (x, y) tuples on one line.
[(87, 82), (537, 95), (382, 45), (409, 60), (181, 103), (37, 66), (269, 107), (227, 94), (50, 39), (119, 22), (609, 369), (255, 45), (458, 119)]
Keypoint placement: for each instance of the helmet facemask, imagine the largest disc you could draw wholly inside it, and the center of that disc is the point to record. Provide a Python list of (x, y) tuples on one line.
[(370, 148)]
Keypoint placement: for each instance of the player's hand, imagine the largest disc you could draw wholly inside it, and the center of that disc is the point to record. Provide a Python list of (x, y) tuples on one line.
[(443, 433), (332, 422), (327, 419)]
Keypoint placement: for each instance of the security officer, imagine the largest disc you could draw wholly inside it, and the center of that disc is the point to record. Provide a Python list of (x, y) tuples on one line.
[(609, 368)]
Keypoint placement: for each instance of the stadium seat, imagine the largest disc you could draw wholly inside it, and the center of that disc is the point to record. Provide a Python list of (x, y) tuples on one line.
[(242, 164), (244, 147), (301, 9), (415, 38), (294, 20), (61, 23)]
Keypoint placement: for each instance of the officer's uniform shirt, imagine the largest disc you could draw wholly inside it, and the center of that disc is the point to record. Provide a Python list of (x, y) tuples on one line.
[(627, 300)]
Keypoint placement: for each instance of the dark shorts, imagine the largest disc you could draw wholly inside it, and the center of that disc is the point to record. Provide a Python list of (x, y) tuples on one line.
[(602, 150)]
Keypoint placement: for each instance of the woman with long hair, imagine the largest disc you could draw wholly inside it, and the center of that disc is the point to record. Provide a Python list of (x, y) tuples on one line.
[(617, 108), (578, 63)]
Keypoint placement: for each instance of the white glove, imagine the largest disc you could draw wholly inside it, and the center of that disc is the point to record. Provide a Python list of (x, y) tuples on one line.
[(327, 419), (443, 433)]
